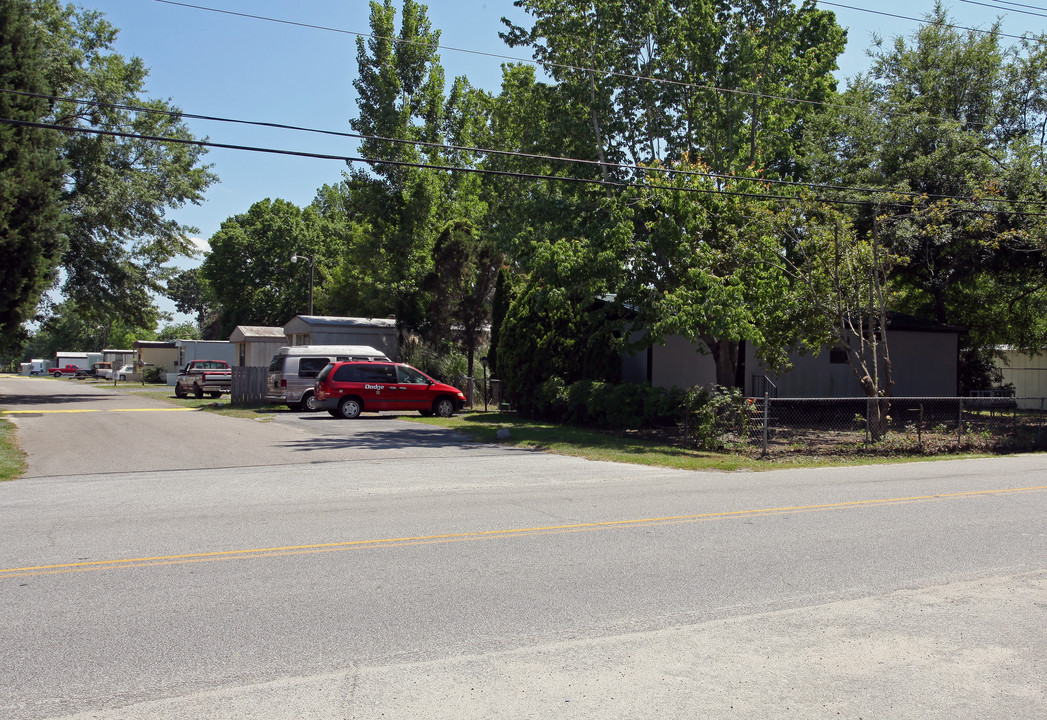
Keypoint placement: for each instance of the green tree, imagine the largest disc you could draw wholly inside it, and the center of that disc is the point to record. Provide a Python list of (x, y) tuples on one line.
[(841, 292), (248, 272), (400, 88), (726, 66), (32, 219), (503, 295), (119, 191), (952, 122), (459, 288), (744, 79), (190, 296), (564, 325), (702, 266), (180, 331), (72, 328)]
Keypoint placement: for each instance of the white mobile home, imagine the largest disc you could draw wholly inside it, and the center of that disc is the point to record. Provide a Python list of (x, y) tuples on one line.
[(924, 360), (379, 333)]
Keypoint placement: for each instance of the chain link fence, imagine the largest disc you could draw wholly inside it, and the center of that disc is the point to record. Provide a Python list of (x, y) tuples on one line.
[(877, 426)]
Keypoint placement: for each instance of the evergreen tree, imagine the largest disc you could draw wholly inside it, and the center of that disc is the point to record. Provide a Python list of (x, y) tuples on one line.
[(32, 237)]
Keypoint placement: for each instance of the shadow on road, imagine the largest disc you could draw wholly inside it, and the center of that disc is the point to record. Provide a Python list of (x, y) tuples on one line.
[(384, 439), (21, 400)]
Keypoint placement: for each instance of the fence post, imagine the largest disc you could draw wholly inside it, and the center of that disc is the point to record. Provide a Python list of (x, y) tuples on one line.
[(766, 418), (868, 415), (959, 422), (1039, 423)]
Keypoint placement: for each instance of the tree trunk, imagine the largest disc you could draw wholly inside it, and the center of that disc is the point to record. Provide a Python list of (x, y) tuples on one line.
[(725, 355)]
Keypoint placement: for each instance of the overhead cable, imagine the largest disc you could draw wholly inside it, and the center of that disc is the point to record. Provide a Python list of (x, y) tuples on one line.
[(913, 19), (528, 156), (477, 171), (997, 7)]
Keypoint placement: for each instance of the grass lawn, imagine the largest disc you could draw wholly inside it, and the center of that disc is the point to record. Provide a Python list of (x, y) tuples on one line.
[(629, 448), (220, 406), (12, 459)]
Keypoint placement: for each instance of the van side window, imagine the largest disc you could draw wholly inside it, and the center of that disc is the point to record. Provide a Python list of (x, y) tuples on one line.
[(379, 373), (410, 376), (310, 367), (348, 374)]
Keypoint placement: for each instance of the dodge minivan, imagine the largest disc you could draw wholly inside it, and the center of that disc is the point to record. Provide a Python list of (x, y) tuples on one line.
[(345, 389)]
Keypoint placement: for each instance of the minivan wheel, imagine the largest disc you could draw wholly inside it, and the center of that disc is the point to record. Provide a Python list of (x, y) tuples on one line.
[(349, 408), (443, 407), (310, 403)]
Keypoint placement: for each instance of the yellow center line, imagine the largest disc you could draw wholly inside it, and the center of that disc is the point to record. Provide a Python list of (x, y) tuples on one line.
[(95, 410), (483, 534)]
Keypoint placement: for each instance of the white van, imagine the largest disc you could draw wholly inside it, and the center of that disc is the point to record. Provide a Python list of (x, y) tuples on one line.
[(293, 371)]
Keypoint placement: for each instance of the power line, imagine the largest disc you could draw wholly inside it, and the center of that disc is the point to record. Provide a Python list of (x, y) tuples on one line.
[(581, 68), (1031, 7), (907, 17), (478, 171), (516, 154), (997, 7)]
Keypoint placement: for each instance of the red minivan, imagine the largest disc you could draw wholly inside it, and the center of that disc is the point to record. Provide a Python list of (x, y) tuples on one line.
[(345, 389)]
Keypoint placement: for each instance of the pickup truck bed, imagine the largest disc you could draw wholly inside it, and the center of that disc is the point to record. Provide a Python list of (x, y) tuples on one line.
[(204, 376)]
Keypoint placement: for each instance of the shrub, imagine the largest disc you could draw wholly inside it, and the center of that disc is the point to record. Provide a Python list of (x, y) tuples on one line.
[(618, 407), (154, 374), (712, 416), (550, 400)]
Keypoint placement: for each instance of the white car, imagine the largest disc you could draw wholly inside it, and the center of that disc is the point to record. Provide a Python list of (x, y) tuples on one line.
[(125, 372)]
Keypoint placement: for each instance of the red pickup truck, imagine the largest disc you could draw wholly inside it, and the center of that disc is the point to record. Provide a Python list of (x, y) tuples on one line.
[(67, 371), (204, 376)]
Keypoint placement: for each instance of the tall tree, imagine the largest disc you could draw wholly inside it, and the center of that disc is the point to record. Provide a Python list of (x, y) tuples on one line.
[(190, 296), (702, 266), (459, 288), (249, 272), (729, 86), (119, 190), (954, 123), (32, 219), (400, 88)]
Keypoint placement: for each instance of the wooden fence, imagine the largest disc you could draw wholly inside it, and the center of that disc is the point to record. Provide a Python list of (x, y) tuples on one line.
[(248, 385)]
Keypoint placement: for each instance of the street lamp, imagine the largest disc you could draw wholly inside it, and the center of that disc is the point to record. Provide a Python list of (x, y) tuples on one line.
[(483, 362), (296, 258)]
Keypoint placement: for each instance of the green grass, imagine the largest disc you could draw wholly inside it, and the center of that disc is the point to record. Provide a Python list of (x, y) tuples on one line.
[(220, 406), (596, 445), (12, 459)]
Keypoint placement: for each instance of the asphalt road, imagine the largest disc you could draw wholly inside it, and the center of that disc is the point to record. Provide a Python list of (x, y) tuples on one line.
[(401, 572)]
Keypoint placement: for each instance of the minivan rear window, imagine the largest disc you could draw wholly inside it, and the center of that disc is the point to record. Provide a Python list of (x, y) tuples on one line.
[(349, 373), (277, 363), (310, 367)]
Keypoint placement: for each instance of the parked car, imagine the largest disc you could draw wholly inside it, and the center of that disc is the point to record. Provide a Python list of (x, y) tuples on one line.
[(293, 370), (345, 389), (65, 371), (125, 372), (102, 370), (204, 376)]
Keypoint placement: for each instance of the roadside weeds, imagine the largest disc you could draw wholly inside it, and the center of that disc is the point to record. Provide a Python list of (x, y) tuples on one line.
[(12, 459)]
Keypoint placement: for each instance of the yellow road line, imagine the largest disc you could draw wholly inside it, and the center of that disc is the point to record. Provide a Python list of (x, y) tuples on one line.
[(95, 410), (484, 534), (173, 409)]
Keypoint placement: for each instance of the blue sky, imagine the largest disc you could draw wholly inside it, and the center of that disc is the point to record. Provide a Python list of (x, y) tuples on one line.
[(228, 66)]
